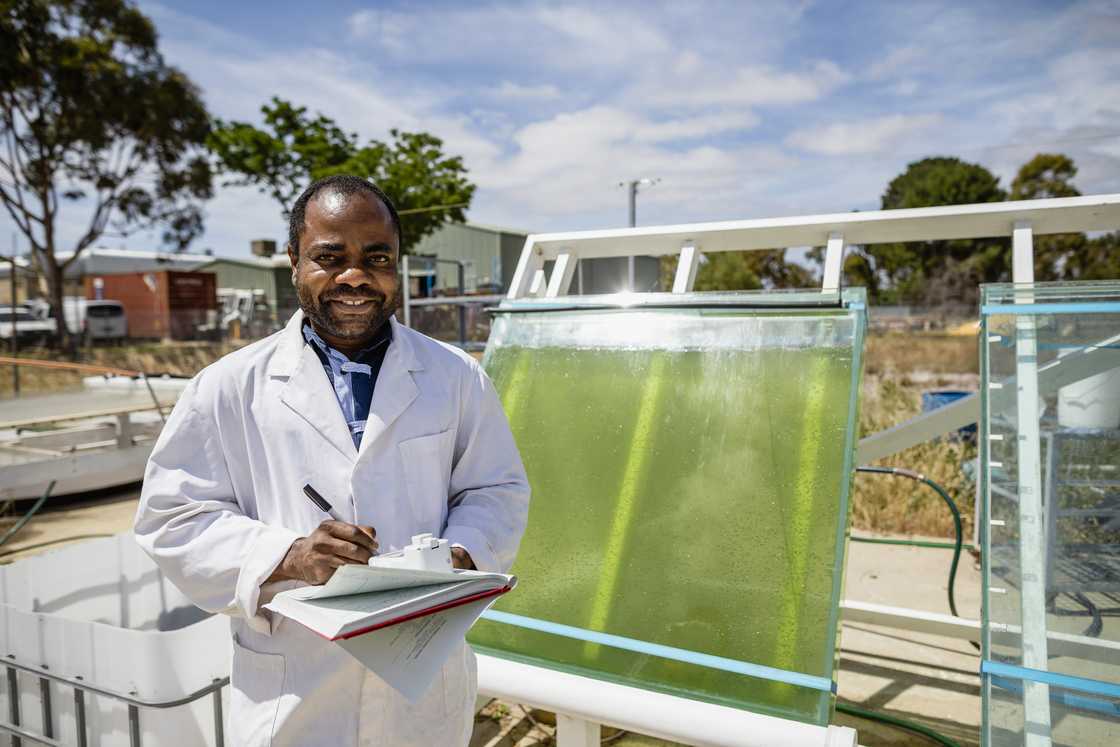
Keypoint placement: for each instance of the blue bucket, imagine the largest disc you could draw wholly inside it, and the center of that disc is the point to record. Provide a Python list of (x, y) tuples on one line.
[(934, 398)]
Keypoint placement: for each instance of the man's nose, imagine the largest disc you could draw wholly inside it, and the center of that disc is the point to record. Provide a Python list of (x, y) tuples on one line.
[(353, 276)]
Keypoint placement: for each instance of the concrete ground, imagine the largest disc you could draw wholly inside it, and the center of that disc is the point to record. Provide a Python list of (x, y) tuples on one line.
[(923, 678)]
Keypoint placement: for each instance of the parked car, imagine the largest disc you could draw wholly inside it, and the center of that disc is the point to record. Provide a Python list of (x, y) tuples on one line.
[(29, 330), (94, 320), (105, 320)]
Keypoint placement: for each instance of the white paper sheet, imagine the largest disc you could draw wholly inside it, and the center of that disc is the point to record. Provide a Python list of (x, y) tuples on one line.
[(409, 655), (362, 579)]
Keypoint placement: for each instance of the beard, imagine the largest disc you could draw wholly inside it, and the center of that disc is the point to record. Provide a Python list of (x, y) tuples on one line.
[(324, 317)]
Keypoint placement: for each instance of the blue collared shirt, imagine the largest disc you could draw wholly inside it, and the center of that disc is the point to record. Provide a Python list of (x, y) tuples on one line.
[(353, 379)]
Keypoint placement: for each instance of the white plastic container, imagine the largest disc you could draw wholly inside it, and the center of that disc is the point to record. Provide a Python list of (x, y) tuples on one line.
[(103, 611), (1093, 402)]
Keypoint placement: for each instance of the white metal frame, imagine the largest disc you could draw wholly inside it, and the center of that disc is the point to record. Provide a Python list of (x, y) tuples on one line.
[(583, 701), (834, 231), (1032, 564)]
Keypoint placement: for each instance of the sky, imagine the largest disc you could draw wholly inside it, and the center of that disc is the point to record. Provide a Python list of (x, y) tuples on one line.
[(740, 109)]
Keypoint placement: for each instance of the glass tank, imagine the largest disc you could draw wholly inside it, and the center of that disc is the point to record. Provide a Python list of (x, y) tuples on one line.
[(690, 458), (1050, 534)]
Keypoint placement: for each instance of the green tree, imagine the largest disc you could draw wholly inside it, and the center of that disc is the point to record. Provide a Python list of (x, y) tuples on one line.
[(932, 272), (94, 119), (1044, 176), (742, 271), (294, 148), (1095, 259), (751, 271)]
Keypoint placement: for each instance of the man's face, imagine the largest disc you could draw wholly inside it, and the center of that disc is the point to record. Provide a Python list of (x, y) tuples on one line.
[(346, 269)]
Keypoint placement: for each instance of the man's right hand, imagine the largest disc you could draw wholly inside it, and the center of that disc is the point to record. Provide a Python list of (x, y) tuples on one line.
[(333, 543)]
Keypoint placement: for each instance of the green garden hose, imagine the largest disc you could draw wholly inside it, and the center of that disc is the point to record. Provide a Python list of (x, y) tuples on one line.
[(901, 723), (27, 516), (957, 543)]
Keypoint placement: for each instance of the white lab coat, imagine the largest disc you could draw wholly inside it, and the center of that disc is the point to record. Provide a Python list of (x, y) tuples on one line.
[(222, 502)]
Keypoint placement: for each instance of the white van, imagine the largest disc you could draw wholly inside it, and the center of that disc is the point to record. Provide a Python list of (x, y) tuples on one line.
[(104, 320)]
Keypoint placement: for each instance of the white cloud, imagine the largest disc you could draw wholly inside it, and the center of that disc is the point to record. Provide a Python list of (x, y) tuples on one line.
[(691, 128), (905, 87), (898, 60), (615, 34), (543, 35), (511, 91), (862, 137), (569, 167), (747, 86), (363, 24)]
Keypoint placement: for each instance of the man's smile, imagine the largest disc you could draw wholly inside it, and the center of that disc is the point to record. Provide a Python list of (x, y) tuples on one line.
[(353, 305)]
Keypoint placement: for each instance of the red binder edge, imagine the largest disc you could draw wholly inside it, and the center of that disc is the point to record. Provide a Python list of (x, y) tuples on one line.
[(423, 613)]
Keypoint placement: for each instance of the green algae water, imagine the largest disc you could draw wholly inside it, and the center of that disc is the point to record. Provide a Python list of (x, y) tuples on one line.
[(694, 498)]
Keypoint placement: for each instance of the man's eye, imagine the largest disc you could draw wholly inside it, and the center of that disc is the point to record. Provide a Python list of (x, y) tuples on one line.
[(326, 259), (380, 259)]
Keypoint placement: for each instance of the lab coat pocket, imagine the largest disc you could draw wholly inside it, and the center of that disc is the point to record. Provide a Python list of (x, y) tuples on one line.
[(427, 471), (256, 684)]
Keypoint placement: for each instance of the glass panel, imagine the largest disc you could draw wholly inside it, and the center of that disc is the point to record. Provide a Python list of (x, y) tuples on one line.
[(1077, 718), (1050, 366), (690, 458)]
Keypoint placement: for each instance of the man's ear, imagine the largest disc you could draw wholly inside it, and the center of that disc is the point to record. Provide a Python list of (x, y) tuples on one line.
[(293, 258)]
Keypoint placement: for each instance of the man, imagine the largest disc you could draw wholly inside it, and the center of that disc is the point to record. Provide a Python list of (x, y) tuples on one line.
[(400, 433)]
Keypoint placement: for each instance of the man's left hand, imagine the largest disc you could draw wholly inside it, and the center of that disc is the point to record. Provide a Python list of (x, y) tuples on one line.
[(460, 558)]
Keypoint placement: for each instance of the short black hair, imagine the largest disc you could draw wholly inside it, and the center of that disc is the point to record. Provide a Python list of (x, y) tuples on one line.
[(343, 184)]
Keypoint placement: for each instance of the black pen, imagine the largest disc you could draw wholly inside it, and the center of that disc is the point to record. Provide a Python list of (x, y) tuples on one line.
[(321, 502)]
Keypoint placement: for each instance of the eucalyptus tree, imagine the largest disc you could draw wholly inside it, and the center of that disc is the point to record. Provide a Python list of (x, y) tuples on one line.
[(95, 128)]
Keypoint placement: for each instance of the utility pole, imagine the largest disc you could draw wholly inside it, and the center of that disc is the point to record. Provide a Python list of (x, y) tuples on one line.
[(14, 307), (632, 188)]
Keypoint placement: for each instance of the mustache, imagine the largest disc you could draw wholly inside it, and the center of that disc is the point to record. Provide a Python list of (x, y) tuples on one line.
[(335, 296)]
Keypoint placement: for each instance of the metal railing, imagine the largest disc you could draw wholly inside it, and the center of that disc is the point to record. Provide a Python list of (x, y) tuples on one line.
[(461, 300), (15, 728)]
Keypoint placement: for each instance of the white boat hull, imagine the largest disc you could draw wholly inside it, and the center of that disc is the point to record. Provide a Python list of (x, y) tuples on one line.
[(99, 437), (79, 472)]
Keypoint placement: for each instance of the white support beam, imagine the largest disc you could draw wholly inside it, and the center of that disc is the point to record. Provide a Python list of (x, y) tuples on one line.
[(539, 285), (687, 266), (1032, 538), (1022, 253), (833, 263), (919, 429), (527, 265), (576, 732), (124, 430), (966, 629), (915, 621), (562, 272)]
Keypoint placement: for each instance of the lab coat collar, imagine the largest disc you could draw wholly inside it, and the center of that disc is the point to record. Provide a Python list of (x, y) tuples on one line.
[(309, 393), (289, 350)]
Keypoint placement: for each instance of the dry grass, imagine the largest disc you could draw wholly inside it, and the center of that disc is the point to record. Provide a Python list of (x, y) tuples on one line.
[(880, 504), (902, 354), (895, 505)]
